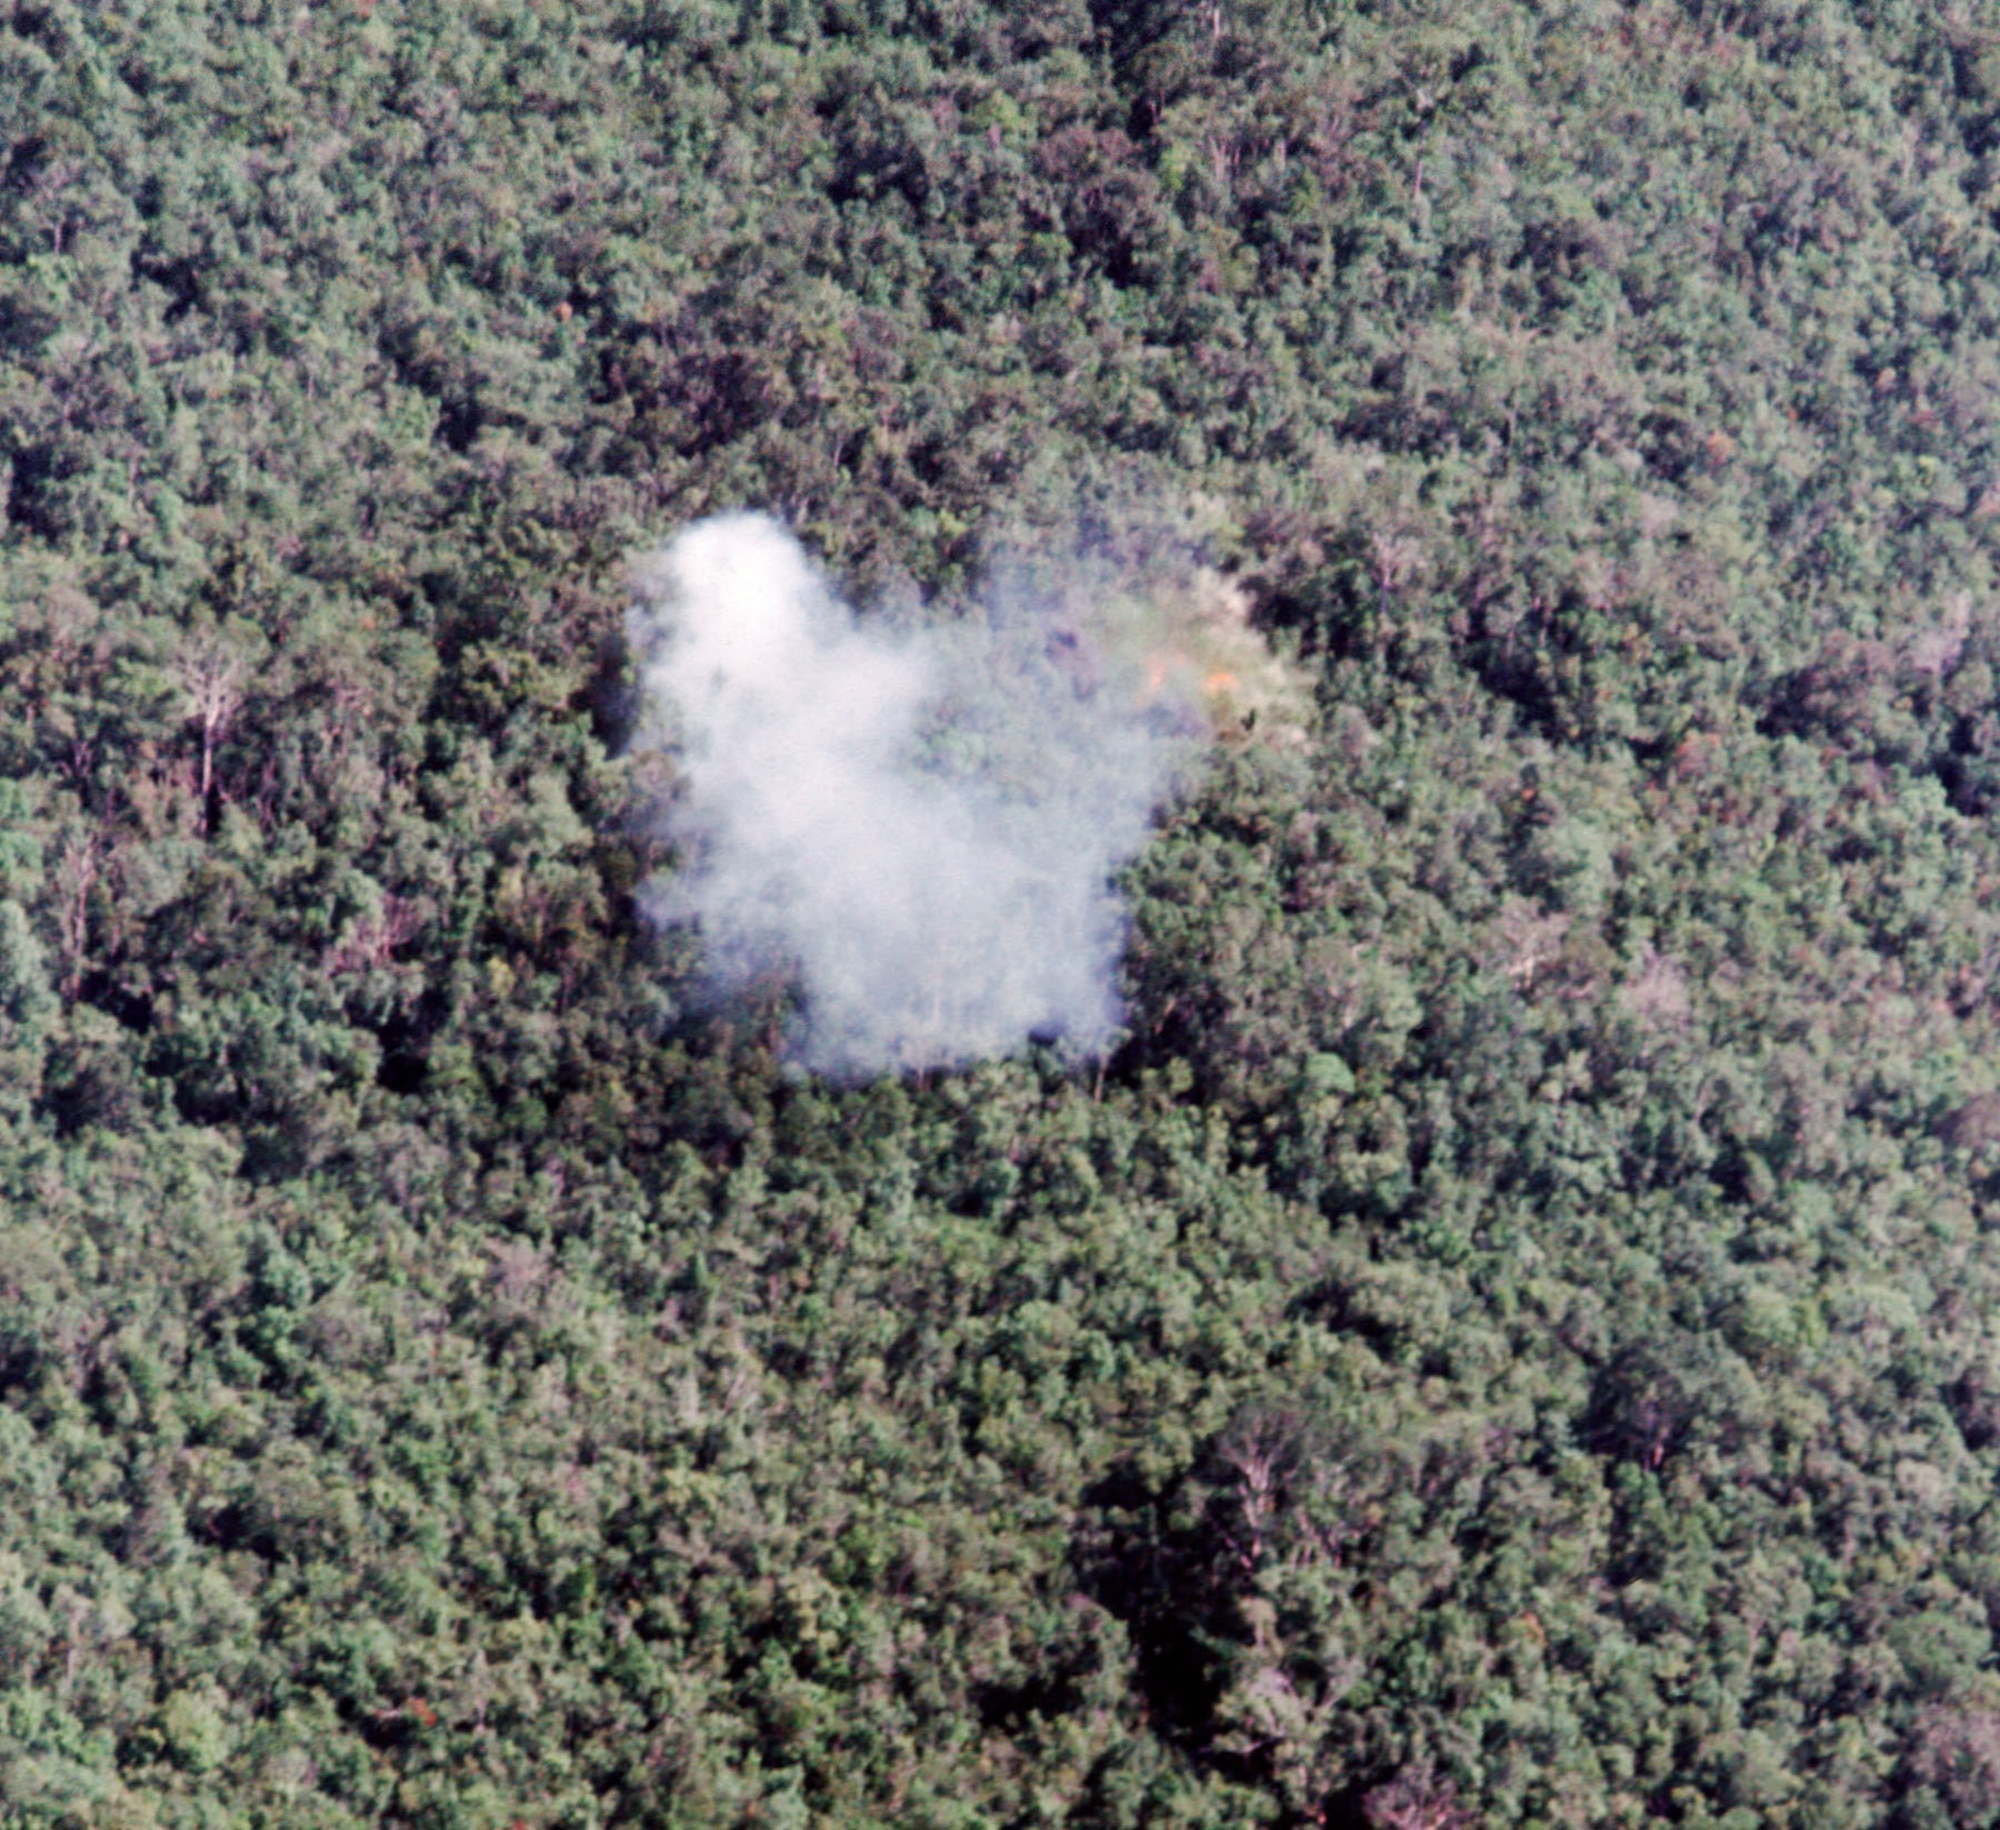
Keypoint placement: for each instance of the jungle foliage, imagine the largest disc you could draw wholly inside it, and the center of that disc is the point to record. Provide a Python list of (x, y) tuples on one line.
[(1512, 1337)]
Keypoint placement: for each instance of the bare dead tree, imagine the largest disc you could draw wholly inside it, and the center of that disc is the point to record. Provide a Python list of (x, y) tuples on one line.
[(1258, 1452), (1418, 1798), (77, 870), (210, 679), (1395, 560)]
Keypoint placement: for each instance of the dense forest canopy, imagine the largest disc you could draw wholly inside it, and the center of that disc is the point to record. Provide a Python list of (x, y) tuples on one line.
[(1507, 1336)]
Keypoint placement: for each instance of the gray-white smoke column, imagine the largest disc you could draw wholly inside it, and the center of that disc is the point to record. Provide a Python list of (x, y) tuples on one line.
[(922, 826)]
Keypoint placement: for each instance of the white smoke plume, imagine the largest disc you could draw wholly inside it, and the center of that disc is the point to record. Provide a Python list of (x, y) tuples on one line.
[(920, 826)]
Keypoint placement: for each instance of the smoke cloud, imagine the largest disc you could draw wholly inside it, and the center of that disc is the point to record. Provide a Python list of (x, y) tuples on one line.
[(918, 826)]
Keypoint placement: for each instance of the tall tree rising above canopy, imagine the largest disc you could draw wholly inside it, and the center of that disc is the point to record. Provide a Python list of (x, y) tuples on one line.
[(1508, 1337)]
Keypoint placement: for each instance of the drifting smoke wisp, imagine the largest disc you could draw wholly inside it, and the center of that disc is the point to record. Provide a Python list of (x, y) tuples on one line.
[(920, 827)]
